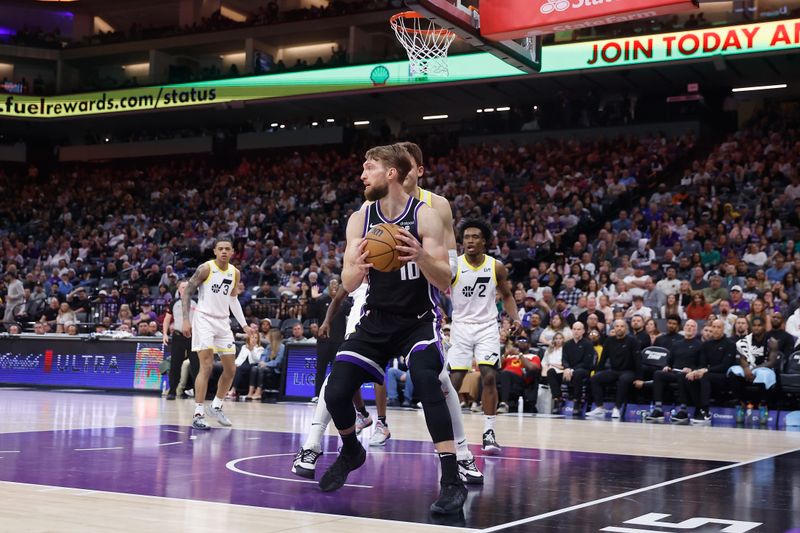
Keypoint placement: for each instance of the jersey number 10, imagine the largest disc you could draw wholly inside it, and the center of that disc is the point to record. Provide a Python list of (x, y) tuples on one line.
[(409, 271)]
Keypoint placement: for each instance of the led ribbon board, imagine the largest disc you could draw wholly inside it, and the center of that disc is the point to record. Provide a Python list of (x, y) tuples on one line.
[(773, 36)]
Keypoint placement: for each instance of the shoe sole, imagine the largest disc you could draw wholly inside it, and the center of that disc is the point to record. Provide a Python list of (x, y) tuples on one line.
[(653, 420), (303, 472), (378, 444), (470, 480), (680, 422), (201, 428)]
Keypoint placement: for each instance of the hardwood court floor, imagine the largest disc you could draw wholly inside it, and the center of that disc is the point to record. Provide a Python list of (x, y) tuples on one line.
[(85, 461)]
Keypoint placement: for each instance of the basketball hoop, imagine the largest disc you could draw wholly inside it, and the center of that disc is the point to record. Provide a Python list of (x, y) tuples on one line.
[(424, 41)]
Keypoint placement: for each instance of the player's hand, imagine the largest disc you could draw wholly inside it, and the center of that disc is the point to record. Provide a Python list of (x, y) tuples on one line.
[(516, 327), (187, 329), (410, 249), (249, 330), (324, 330), (361, 260)]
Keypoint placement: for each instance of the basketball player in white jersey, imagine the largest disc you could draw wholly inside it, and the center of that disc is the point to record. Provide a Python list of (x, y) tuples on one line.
[(304, 463), (210, 328), (474, 333)]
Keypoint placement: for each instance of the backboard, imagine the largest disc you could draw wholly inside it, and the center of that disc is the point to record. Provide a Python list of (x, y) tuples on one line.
[(464, 21)]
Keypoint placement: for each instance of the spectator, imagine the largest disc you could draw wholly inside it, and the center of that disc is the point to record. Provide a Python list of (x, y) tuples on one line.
[(683, 358), (396, 374), (698, 309), (298, 337), (620, 365), (553, 368), (556, 325), (738, 304), (65, 317), (717, 355), (578, 361), (269, 366), (638, 309), (246, 365), (14, 297), (756, 365), (651, 329), (520, 371)]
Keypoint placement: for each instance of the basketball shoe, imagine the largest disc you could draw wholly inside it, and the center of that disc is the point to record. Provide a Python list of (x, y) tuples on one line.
[(380, 435), (305, 463), (336, 475)]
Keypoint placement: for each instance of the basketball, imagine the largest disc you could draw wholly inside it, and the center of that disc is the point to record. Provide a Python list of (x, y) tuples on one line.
[(381, 244)]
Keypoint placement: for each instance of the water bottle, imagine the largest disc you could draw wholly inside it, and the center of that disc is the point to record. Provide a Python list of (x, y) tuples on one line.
[(164, 385), (748, 415), (520, 405)]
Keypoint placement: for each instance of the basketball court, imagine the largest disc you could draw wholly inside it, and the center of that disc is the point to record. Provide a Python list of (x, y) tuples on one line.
[(93, 461)]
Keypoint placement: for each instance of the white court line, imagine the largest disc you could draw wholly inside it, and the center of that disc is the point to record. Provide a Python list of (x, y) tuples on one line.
[(52, 489), (253, 438), (231, 465), (173, 431), (10, 451), (93, 449), (290, 512), (170, 443), (557, 512), (84, 493)]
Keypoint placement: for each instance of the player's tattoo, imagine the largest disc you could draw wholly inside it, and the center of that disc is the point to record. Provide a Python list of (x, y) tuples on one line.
[(194, 282)]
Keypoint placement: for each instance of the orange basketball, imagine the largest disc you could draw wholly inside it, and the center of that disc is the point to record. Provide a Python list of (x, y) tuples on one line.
[(381, 245)]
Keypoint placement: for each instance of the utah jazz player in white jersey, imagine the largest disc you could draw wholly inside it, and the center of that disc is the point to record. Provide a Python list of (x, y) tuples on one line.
[(210, 327), (475, 334), (304, 463)]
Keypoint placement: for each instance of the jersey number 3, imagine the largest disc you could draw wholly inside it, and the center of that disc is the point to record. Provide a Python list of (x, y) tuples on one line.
[(409, 271)]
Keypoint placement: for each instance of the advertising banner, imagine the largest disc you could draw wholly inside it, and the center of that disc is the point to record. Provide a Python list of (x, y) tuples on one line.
[(515, 19), (301, 365), (104, 364)]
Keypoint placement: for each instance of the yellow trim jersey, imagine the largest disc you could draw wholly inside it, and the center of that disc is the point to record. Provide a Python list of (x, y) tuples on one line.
[(215, 292), (474, 291)]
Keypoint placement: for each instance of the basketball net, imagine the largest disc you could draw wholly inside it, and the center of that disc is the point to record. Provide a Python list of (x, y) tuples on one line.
[(425, 42)]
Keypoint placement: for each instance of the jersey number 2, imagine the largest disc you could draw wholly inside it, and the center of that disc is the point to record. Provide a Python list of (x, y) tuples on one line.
[(409, 271)]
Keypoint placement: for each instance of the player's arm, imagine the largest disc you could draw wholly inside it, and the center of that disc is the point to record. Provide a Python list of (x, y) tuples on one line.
[(509, 304), (354, 265), (442, 207), (336, 304), (165, 330), (186, 298), (431, 255), (235, 305)]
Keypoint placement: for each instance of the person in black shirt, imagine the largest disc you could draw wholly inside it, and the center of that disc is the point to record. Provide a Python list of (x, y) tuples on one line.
[(328, 344), (785, 340), (620, 364), (638, 332), (671, 336), (684, 357), (578, 361), (716, 357), (757, 362)]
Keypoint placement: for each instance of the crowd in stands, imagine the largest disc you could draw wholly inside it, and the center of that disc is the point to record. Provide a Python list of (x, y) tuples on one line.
[(591, 232)]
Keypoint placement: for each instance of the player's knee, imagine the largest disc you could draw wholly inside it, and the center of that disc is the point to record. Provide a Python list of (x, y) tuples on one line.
[(336, 393), (489, 378), (426, 384)]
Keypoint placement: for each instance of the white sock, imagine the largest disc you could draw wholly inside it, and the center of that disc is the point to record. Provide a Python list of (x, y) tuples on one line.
[(199, 409), (217, 403), (319, 424), (454, 406), (488, 423)]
